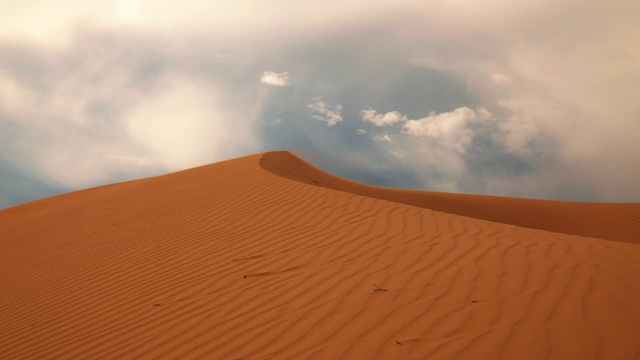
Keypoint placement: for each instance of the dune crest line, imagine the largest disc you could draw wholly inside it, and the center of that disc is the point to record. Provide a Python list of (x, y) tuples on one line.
[(619, 221)]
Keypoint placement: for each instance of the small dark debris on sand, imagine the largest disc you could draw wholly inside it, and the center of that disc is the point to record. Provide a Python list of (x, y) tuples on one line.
[(378, 288)]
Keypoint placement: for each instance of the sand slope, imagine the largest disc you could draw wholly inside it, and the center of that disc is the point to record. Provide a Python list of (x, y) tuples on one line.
[(620, 222), (265, 257)]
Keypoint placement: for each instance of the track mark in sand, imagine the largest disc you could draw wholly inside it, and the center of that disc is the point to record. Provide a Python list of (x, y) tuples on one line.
[(379, 289), (483, 300), (407, 341)]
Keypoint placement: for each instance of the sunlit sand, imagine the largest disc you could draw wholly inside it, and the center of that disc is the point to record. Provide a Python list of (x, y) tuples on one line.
[(267, 257)]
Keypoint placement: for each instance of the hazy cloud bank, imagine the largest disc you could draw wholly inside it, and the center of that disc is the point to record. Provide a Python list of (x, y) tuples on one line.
[(535, 99)]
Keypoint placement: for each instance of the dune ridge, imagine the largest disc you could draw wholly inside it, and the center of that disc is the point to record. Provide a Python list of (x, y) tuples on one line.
[(250, 258), (609, 221)]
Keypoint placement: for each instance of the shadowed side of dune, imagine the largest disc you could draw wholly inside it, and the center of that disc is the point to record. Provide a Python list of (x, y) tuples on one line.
[(619, 222)]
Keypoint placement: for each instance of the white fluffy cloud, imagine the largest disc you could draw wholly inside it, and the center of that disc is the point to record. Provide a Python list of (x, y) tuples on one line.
[(449, 129), (390, 118), (322, 111), (273, 78)]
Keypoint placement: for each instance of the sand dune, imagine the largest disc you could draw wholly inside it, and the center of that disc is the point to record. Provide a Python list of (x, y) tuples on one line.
[(266, 257), (620, 222)]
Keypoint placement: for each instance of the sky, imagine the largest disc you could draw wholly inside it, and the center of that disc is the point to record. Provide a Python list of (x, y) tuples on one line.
[(498, 97)]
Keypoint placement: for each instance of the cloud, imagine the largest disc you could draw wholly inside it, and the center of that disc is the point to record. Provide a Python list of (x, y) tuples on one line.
[(183, 123), (566, 95), (449, 129), (500, 79), (370, 115), (324, 112), (272, 78), (93, 93), (67, 129), (384, 138), (110, 108), (520, 129), (134, 160), (45, 21)]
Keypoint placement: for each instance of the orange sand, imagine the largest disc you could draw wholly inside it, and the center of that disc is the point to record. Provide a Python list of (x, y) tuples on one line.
[(266, 257)]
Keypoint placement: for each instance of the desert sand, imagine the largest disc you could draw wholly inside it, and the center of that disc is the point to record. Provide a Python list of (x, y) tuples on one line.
[(267, 257)]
